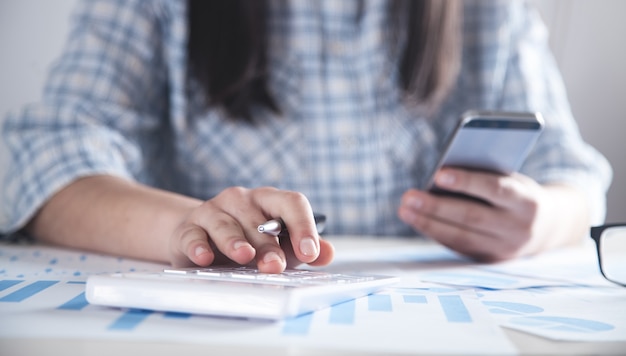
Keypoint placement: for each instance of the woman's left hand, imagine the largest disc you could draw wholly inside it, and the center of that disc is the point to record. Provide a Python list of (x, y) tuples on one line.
[(521, 216)]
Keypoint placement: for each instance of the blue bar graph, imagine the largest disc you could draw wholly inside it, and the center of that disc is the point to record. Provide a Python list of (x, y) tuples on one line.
[(27, 291), (76, 303), (5, 284), (343, 313), (454, 309), (379, 302), (130, 319)]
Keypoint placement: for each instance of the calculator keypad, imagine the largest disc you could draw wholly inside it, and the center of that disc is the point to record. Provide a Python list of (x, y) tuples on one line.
[(289, 277)]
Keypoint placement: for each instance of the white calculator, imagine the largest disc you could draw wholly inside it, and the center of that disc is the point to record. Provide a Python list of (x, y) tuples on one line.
[(241, 292)]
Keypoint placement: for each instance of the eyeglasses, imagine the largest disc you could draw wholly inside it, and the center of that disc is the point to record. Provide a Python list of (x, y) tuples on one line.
[(611, 247)]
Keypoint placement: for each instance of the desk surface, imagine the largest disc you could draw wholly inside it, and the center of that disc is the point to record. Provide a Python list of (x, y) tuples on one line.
[(552, 304)]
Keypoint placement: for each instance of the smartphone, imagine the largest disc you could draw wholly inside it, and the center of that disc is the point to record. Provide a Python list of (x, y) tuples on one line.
[(490, 141)]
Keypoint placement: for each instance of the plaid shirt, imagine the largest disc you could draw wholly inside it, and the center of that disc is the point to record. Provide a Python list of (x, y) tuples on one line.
[(120, 101)]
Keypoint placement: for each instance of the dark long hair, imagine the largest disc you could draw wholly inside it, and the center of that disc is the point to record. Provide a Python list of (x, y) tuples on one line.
[(232, 65)]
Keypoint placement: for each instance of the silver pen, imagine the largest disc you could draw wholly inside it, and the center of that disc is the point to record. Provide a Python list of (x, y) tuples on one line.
[(277, 227)]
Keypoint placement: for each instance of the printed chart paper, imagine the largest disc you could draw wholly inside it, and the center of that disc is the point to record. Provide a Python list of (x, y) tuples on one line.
[(442, 297), (42, 295)]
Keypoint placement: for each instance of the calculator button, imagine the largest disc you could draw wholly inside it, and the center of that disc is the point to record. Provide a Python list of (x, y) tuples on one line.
[(287, 277), (209, 273), (180, 271), (244, 276)]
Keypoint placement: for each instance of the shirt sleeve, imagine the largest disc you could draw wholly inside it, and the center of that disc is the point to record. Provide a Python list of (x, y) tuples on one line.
[(531, 81), (99, 102)]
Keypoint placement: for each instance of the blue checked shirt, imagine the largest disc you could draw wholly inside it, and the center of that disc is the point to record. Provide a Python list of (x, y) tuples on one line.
[(120, 101)]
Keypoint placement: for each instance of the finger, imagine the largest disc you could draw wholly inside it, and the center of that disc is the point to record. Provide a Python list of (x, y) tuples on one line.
[(466, 214), (295, 210), (326, 255), (225, 233), (467, 242), (498, 190), (247, 214), (191, 247), (434, 217), (271, 257)]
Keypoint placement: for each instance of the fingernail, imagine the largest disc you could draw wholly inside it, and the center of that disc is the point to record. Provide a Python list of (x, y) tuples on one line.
[(239, 244), (445, 179), (414, 202), (308, 247), (200, 250), (407, 216), (271, 257)]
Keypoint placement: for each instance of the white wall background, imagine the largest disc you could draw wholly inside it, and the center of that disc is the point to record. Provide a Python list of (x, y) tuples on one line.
[(32, 33), (588, 42), (587, 39)]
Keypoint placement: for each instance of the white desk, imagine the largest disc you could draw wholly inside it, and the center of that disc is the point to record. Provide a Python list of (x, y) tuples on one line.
[(39, 324)]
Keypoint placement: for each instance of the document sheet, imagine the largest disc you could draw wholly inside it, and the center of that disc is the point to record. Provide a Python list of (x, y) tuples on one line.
[(443, 304)]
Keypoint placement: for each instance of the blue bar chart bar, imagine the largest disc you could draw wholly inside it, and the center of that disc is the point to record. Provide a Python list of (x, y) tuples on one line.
[(76, 303), (5, 284), (130, 319), (379, 302), (418, 299), (454, 309), (27, 291), (343, 313), (176, 315), (299, 325)]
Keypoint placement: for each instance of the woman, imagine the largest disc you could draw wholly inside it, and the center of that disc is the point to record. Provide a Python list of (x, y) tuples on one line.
[(170, 130)]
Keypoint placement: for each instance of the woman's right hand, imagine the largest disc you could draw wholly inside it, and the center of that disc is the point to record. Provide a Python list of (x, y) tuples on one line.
[(224, 230)]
